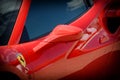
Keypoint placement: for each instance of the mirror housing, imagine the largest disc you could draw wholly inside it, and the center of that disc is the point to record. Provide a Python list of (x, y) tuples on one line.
[(61, 33)]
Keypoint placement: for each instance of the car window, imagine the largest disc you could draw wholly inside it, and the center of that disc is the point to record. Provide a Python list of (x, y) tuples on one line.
[(44, 15), (8, 14), (113, 17)]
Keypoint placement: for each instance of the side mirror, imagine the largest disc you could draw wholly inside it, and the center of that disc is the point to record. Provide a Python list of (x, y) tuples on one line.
[(61, 33)]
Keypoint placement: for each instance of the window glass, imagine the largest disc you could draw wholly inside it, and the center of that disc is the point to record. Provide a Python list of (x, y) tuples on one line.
[(113, 17), (44, 15), (8, 14)]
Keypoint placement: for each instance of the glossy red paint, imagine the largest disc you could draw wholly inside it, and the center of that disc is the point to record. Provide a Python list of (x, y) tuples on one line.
[(103, 68), (86, 19), (74, 52), (19, 25)]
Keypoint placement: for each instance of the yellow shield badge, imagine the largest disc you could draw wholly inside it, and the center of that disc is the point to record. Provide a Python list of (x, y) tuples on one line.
[(21, 59)]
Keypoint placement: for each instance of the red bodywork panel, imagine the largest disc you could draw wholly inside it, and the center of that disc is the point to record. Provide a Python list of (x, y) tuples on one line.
[(67, 50), (19, 25)]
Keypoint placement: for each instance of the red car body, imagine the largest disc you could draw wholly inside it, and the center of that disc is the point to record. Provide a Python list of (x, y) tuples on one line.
[(85, 49)]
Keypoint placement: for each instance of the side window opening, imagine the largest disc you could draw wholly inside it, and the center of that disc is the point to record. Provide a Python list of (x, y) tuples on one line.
[(113, 17), (8, 13), (44, 15), (25, 36), (89, 2), (7, 26)]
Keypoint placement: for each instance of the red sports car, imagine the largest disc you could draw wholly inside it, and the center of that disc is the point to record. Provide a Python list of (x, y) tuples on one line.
[(60, 39)]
